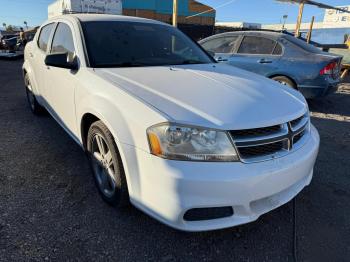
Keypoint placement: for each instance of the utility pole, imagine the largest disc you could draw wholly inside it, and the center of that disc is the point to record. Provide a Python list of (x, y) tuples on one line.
[(175, 12), (300, 17), (284, 22), (310, 30)]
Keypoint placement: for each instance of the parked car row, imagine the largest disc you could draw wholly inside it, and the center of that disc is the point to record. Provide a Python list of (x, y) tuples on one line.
[(5, 41), (278, 56), (12, 42)]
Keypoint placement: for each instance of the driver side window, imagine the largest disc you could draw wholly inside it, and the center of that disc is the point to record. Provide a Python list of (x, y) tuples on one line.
[(63, 41)]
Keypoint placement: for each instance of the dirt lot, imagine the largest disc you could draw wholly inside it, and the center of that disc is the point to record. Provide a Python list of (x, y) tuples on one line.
[(50, 209)]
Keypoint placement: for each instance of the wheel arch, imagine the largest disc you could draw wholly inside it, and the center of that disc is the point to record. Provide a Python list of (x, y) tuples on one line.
[(87, 120), (24, 73), (123, 115), (287, 76), (27, 70), (88, 117)]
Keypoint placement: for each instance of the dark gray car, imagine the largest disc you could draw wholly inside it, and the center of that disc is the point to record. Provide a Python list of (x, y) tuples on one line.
[(278, 56)]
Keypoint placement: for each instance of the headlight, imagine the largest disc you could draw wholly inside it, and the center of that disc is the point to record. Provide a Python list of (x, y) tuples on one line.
[(178, 142)]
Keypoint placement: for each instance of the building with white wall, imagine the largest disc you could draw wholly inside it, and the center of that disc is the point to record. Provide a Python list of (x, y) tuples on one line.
[(332, 30)]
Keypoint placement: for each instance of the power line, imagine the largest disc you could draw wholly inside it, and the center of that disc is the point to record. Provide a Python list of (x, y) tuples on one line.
[(212, 9), (29, 2)]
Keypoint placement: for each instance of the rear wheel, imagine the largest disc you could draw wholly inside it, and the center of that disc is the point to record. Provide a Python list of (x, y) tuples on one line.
[(34, 106), (106, 165), (285, 81)]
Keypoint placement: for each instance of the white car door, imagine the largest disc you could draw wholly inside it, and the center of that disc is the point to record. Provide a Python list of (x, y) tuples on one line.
[(61, 81), (37, 60)]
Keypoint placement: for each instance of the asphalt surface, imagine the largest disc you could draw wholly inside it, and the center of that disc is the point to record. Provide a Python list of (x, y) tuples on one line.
[(50, 209)]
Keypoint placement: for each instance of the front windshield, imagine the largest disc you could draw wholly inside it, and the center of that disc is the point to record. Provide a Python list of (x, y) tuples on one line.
[(132, 44)]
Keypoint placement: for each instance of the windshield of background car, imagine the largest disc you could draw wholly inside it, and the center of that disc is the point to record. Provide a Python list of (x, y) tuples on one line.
[(132, 44), (302, 44)]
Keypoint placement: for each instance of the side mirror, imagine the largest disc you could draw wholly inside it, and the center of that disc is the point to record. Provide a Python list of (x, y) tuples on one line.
[(61, 60)]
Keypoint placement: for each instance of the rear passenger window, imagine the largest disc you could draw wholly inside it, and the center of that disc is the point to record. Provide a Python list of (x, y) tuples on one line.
[(221, 44), (257, 45), (278, 49), (63, 41), (45, 36)]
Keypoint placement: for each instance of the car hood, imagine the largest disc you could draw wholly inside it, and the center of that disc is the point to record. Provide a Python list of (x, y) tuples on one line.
[(210, 95)]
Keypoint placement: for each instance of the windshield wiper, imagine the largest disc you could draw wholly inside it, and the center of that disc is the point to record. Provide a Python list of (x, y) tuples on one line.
[(191, 62), (124, 64), (138, 64)]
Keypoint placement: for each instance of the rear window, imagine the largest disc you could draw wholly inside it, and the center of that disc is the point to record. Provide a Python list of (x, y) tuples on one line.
[(302, 44), (257, 45), (44, 37)]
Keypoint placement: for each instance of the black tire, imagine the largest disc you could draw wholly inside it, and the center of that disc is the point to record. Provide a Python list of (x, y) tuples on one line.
[(285, 81), (109, 177), (34, 106)]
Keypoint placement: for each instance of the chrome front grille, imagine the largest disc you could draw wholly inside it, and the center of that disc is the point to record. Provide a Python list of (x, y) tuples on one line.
[(256, 131), (260, 144), (256, 151), (296, 122)]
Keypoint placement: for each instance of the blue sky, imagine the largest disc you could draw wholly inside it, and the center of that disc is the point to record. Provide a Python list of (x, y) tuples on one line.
[(261, 11)]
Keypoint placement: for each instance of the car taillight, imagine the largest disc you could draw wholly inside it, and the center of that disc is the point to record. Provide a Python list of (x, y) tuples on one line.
[(329, 69)]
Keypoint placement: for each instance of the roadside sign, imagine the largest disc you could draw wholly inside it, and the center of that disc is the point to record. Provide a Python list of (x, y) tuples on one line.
[(336, 18)]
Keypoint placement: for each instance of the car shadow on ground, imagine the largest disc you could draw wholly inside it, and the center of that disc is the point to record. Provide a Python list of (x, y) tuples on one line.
[(333, 104)]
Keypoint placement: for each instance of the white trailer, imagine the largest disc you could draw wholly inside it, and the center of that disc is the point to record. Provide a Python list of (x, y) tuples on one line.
[(60, 7)]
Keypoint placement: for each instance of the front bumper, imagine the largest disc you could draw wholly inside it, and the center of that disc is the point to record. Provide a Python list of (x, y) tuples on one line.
[(167, 189)]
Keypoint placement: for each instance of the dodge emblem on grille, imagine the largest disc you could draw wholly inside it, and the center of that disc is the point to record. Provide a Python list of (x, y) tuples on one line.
[(271, 142)]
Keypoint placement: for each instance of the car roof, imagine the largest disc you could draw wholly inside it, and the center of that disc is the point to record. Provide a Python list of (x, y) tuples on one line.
[(263, 32), (270, 34), (103, 17)]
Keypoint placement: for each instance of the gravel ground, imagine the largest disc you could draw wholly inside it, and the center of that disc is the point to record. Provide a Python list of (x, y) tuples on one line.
[(50, 209)]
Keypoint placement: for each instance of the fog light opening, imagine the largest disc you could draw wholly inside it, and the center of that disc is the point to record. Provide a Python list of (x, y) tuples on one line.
[(202, 214)]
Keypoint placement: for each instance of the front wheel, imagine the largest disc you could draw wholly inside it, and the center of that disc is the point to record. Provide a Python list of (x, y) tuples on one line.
[(106, 165), (34, 106), (285, 81)]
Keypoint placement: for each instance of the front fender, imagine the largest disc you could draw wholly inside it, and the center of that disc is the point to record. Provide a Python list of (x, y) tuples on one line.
[(108, 114), (27, 69), (127, 133), (126, 117)]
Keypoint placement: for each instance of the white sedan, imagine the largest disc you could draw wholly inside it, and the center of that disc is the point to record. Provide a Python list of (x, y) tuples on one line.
[(195, 144)]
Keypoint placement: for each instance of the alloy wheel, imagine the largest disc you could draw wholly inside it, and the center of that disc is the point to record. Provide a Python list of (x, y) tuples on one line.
[(103, 166), (283, 83)]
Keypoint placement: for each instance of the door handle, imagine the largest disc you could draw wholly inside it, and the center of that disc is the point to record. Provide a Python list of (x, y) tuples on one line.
[(264, 61), (31, 55), (220, 59)]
